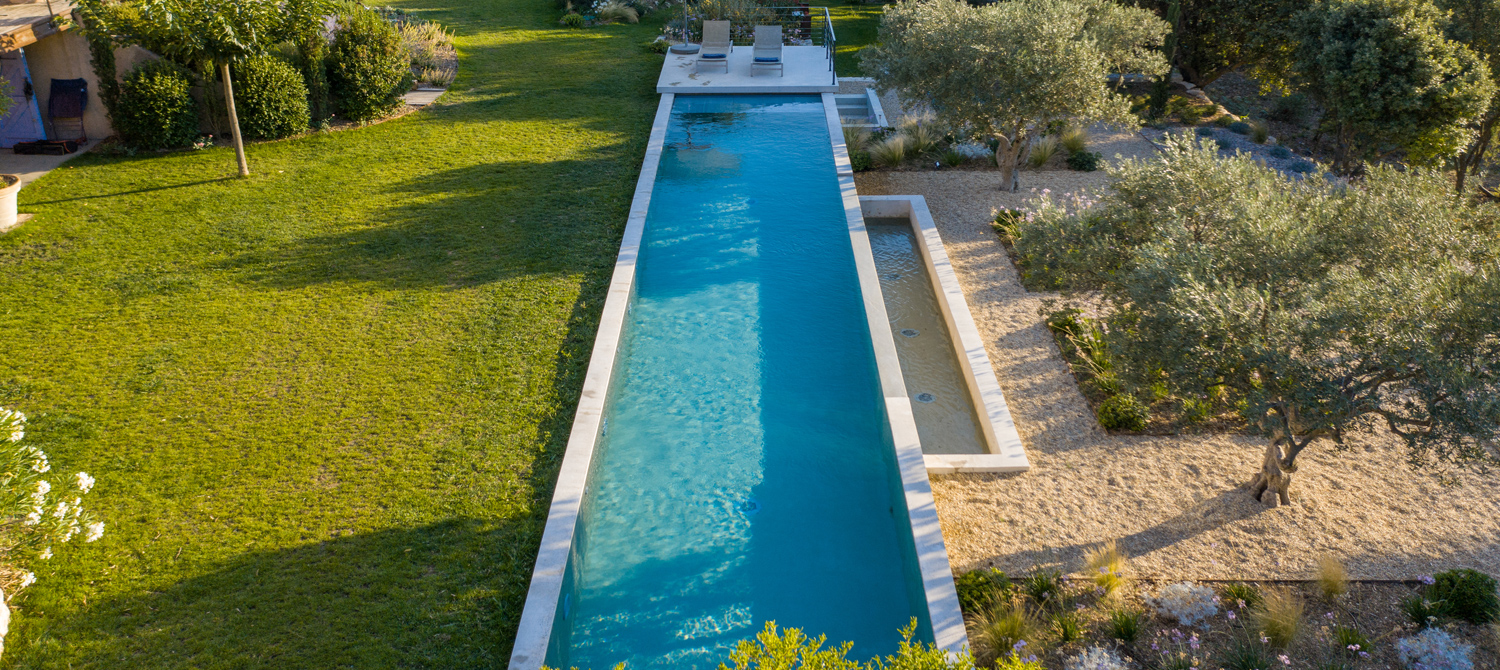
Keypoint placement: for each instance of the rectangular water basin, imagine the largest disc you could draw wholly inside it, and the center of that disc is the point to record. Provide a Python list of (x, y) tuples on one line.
[(747, 463), (960, 411)]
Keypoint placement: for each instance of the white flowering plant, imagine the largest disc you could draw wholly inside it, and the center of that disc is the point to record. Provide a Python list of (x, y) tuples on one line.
[(1185, 602), (1097, 658), (35, 513), (1434, 649)]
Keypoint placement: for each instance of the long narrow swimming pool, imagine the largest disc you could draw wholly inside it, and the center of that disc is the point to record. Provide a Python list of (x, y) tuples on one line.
[(744, 470)]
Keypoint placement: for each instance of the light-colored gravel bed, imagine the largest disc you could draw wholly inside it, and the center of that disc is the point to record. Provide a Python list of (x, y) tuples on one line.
[(1177, 504)]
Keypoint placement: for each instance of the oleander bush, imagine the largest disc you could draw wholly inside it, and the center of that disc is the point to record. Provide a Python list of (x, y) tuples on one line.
[(368, 66), (270, 98), (155, 108)]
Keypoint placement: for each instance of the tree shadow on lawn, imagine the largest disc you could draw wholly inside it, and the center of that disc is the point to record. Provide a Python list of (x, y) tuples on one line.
[(430, 596), (463, 227)]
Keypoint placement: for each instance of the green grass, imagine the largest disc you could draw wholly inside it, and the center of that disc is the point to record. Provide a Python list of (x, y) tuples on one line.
[(855, 26), (325, 404)]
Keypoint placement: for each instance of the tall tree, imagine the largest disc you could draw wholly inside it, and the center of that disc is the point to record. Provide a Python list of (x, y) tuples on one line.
[(1316, 310), (1213, 37), (1476, 23), (1008, 69), (1389, 80)]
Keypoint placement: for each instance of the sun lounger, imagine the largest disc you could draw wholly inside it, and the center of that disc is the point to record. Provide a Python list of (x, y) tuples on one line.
[(716, 45), (767, 52)]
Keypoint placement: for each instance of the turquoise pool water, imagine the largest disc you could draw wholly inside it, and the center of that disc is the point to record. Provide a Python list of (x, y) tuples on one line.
[(744, 471)]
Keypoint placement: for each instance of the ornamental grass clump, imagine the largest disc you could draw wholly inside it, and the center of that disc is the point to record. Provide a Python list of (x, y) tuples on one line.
[(1434, 649), (1239, 595), (889, 152), (1125, 625), (998, 630), (35, 514), (1279, 616), (1333, 579), (1042, 150), (1074, 139), (1106, 567), (1185, 602)]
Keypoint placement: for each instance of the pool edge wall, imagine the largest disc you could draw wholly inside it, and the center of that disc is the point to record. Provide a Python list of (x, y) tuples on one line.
[(554, 564), (1006, 452)]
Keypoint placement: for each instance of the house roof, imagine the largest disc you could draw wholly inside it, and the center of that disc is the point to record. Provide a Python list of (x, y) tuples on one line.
[(24, 24)]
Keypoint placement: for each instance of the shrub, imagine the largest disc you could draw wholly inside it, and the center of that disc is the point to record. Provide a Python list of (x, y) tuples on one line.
[(1279, 616), (1224, 121), (1123, 412), (1184, 602), (270, 98), (1085, 161), (1240, 595), (1302, 167), (1044, 587), (1421, 611), (1004, 629), (1260, 133), (1246, 655), (1289, 109), (1008, 223), (979, 589), (1067, 626), (953, 157), (1096, 658), (889, 152), (1106, 565), (1016, 661), (571, 20), (1239, 128), (1125, 625), (427, 45), (660, 46), (1224, 145), (1465, 594), (1190, 115), (1042, 151), (1279, 151), (368, 67), (156, 109), (1204, 131), (1333, 580), (1074, 139), (859, 160), (921, 137), (1434, 649)]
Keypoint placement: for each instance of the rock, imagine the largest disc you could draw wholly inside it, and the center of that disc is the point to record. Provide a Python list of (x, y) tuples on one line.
[(1270, 141)]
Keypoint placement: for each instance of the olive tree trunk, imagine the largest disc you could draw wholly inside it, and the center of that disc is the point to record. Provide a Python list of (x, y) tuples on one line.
[(1275, 475), (1007, 155)]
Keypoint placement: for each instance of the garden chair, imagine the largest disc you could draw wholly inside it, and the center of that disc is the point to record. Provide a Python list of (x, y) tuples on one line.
[(716, 45), (767, 52)]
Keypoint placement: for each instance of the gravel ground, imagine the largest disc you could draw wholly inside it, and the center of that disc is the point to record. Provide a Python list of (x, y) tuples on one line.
[(1177, 504)]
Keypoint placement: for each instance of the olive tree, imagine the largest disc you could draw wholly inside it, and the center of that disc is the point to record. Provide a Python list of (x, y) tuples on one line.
[(1313, 309), (1389, 80), (1008, 69), (1476, 23), (1212, 37)]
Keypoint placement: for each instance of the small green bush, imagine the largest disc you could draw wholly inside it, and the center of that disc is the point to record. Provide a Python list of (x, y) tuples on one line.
[(1224, 145), (1289, 109), (1125, 625), (1240, 592), (1465, 594), (1067, 626), (1260, 133), (1421, 611), (1084, 161), (571, 20), (270, 98), (1239, 128), (979, 589), (1279, 151), (368, 66), (860, 160), (156, 109), (1205, 131), (1123, 412), (658, 46), (1044, 587)]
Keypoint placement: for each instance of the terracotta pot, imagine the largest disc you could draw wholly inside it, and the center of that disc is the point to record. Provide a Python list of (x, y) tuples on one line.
[(8, 201)]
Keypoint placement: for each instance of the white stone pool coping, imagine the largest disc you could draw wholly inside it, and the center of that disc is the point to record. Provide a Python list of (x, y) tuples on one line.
[(540, 610), (530, 649), (932, 556), (1006, 453)]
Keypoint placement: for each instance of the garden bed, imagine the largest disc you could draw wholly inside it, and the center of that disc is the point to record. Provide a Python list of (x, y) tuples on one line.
[(1177, 502)]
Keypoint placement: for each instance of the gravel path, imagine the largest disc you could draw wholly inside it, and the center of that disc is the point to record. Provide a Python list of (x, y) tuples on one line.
[(1177, 504)]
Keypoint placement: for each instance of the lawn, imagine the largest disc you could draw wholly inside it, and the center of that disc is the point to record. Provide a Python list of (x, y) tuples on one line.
[(325, 404), (855, 26)]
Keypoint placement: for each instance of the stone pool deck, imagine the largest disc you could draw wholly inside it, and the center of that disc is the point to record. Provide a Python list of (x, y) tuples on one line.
[(807, 71)]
